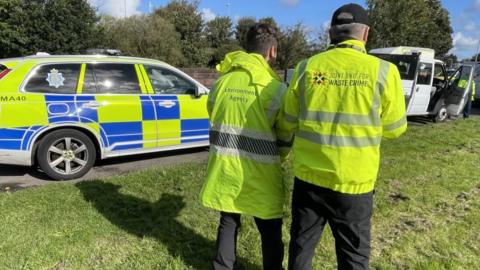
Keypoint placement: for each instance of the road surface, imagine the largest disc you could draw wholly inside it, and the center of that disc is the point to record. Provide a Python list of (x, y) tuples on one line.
[(17, 177)]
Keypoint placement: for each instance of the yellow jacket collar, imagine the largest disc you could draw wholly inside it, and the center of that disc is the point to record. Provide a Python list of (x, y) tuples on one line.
[(357, 43), (253, 63)]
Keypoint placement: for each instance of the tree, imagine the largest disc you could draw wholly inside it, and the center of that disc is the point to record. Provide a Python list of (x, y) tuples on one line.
[(12, 35), (219, 31), (188, 22), (59, 26), (418, 23), (243, 25), (450, 59), (148, 36), (293, 46), (54, 26)]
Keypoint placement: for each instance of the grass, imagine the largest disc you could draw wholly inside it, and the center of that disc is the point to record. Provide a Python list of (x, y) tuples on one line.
[(426, 214)]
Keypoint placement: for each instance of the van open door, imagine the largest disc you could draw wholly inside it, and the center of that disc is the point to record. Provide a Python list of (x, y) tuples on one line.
[(407, 66), (458, 90)]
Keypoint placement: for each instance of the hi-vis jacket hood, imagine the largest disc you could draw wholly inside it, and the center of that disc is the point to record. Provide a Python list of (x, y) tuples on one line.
[(254, 64), (244, 172)]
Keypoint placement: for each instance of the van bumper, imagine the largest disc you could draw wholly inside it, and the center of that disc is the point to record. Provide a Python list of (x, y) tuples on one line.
[(15, 157)]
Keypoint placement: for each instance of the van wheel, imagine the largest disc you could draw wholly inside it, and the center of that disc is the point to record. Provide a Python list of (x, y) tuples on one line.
[(66, 154), (441, 116)]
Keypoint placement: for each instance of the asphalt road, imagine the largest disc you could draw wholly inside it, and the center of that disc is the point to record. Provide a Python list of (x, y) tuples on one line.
[(17, 177)]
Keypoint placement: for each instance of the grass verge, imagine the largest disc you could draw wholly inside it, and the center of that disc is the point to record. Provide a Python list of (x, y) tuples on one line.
[(426, 214)]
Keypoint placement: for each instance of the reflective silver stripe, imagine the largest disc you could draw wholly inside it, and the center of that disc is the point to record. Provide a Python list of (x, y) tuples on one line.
[(290, 118), (343, 118), (243, 143), (267, 136), (243, 154), (276, 101), (371, 119), (339, 141), (396, 124), (301, 86)]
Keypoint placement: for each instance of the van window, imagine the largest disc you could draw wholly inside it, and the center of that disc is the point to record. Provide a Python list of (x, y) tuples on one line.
[(111, 78), (406, 64), (54, 79), (424, 73), (168, 82)]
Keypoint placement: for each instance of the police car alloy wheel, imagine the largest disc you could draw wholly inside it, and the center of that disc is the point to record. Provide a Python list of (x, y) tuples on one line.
[(66, 154)]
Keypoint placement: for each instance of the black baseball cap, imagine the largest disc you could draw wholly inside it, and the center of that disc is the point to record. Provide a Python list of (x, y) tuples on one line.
[(350, 13)]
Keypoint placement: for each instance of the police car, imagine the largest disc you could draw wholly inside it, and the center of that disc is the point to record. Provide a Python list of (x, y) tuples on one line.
[(63, 113)]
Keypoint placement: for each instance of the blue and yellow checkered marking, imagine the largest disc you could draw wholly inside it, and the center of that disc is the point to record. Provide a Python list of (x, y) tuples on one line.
[(154, 125)]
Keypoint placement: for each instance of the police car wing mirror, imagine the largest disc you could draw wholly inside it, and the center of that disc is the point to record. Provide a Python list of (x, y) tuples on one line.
[(195, 91)]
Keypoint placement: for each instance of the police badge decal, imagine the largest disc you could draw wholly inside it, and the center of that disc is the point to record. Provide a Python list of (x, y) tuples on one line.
[(55, 78)]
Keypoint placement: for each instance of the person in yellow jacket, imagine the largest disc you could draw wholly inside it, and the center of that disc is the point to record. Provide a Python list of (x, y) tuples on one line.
[(339, 105), (468, 106), (244, 173)]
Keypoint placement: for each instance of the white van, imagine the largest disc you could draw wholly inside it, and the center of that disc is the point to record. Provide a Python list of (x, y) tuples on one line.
[(427, 88)]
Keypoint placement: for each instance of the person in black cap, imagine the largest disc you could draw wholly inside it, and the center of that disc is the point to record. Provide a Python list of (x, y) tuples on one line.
[(339, 105)]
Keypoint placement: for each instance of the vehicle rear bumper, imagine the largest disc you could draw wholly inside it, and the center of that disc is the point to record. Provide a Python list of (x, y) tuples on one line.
[(15, 157)]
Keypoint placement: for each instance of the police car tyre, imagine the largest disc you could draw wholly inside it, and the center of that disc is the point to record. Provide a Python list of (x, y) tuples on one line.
[(66, 154), (441, 116)]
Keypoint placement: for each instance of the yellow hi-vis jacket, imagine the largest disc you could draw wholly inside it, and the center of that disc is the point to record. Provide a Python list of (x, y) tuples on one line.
[(339, 105), (473, 91), (244, 166), (463, 84)]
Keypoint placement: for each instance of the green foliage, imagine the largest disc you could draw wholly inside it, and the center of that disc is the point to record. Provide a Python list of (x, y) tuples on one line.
[(293, 46), (450, 59), (243, 25), (188, 23), (219, 31), (54, 26), (426, 214), (418, 23), (148, 36), (12, 35)]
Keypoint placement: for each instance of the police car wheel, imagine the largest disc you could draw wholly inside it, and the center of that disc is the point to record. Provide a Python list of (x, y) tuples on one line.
[(441, 116), (66, 154)]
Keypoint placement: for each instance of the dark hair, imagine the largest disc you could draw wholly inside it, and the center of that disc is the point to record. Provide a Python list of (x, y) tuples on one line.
[(260, 38)]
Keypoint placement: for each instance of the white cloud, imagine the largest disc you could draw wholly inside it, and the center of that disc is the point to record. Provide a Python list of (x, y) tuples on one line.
[(476, 5), (463, 45), (208, 14), (290, 2), (117, 8), (461, 41)]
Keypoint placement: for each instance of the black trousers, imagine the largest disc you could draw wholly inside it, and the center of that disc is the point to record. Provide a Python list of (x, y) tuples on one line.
[(271, 235), (349, 219), (468, 107)]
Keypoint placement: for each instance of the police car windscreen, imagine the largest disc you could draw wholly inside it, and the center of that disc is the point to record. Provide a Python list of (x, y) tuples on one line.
[(406, 64)]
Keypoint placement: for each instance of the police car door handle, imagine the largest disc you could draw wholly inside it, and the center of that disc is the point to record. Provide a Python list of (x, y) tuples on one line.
[(92, 105), (167, 103)]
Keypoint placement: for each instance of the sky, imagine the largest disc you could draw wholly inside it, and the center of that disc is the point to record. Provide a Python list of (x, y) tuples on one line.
[(315, 14)]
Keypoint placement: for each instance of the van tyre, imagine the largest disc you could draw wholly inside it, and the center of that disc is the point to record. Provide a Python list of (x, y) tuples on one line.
[(66, 154), (441, 116)]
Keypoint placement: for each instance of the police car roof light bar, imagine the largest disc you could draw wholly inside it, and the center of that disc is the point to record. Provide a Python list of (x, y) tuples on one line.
[(109, 52)]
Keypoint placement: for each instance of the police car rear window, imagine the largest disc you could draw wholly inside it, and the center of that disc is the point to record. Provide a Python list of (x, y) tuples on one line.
[(54, 79), (111, 78)]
